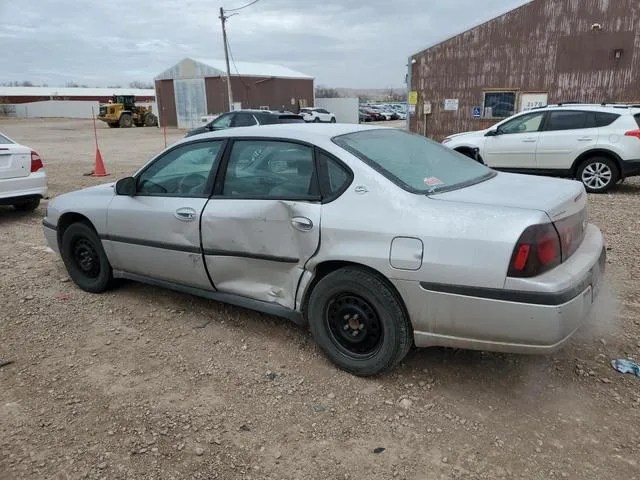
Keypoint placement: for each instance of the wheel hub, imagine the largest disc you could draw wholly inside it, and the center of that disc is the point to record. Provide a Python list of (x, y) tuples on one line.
[(354, 325), (86, 258), (597, 175)]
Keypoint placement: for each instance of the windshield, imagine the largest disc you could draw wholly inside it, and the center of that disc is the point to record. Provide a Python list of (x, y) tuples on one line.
[(414, 162)]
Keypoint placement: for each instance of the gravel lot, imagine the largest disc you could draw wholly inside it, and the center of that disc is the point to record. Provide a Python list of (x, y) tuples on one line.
[(142, 383)]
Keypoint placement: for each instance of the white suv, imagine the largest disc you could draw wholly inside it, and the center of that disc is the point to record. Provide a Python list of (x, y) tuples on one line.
[(317, 115), (596, 144)]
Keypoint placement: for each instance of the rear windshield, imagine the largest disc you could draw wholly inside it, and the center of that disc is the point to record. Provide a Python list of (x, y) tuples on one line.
[(414, 162), (4, 140), (637, 117)]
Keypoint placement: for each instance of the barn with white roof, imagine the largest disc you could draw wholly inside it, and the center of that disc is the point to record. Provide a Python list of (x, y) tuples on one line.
[(194, 88)]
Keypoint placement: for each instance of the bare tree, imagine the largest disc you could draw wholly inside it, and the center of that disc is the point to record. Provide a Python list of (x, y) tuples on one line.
[(6, 108), (141, 85), (323, 92)]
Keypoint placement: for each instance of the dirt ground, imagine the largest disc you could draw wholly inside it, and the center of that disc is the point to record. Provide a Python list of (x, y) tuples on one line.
[(143, 383)]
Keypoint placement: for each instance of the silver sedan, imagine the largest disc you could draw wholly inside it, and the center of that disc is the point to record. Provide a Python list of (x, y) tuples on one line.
[(375, 238)]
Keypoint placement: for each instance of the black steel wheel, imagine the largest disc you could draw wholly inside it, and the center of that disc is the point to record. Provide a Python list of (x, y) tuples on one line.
[(359, 321), (85, 259), (354, 325)]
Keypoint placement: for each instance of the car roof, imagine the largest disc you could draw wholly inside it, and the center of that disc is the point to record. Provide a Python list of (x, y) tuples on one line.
[(308, 132), (613, 108)]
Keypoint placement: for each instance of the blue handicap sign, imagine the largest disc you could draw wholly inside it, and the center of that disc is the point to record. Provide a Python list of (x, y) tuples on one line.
[(477, 112)]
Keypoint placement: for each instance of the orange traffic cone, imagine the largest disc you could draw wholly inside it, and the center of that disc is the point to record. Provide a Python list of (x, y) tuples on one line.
[(99, 170)]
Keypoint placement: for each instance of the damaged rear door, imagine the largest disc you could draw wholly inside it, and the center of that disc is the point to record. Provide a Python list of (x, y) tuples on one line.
[(263, 223)]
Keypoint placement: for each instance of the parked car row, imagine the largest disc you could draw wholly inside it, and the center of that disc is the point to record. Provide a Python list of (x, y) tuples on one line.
[(598, 145), (382, 112)]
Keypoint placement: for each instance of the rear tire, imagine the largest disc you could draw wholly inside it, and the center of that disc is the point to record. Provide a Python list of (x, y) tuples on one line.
[(359, 322), (27, 205), (125, 120), (316, 120), (85, 259), (333, 119), (598, 174)]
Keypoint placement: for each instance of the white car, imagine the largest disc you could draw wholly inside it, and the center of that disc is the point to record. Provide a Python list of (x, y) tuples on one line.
[(317, 115), (596, 144), (23, 181)]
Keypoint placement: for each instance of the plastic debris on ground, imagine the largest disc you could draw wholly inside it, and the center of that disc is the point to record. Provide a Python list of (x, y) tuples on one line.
[(623, 365)]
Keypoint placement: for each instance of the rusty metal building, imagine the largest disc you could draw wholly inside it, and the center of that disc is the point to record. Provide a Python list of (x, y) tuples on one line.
[(546, 51), (194, 88)]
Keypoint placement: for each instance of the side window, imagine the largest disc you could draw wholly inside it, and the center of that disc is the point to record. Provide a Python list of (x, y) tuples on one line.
[(523, 124), (321, 110), (270, 169), (604, 119), (334, 176), (181, 172), (223, 121), (566, 120), (244, 119)]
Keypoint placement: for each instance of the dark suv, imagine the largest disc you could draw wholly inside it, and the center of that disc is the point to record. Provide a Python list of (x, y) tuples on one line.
[(246, 118)]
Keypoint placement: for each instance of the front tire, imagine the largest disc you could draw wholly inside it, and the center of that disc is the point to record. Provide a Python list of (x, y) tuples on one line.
[(27, 205), (359, 322), (598, 174), (125, 120), (85, 259)]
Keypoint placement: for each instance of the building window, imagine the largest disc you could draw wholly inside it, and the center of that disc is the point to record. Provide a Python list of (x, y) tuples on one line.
[(499, 104)]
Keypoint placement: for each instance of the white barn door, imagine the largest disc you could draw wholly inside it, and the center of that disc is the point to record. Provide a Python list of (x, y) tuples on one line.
[(191, 101)]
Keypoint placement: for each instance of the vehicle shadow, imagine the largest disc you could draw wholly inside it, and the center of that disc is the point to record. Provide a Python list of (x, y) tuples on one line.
[(10, 214)]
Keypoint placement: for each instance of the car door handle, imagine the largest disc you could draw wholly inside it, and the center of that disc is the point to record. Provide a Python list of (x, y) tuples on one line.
[(530, 140), (186, 214), (303, 224), (585, 139)]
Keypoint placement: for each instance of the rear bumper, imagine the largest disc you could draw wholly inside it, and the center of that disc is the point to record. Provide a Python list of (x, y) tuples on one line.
[(33, 186), (630, 168), (504, 320)]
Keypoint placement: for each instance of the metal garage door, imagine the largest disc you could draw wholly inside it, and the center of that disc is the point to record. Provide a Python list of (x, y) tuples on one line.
[(191, 102)]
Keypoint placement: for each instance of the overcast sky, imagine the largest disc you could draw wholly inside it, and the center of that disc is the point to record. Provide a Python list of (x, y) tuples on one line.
[(342, 43)]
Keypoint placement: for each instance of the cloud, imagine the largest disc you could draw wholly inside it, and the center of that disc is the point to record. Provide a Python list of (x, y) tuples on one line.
[(343, 43)]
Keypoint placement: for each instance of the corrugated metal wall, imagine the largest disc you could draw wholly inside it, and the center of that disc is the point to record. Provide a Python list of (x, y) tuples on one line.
[(544, 46), (255, 92), (166, 99)]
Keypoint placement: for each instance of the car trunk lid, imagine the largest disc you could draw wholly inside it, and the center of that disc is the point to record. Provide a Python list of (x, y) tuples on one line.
[(558, 198), (564, 201), (15, 161)]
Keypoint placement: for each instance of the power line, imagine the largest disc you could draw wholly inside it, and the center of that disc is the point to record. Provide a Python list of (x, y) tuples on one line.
[(240, 8), (235, 66)]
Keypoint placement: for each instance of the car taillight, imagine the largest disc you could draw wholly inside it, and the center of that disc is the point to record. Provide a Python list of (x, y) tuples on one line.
[(571, 231), (36, 162), (633, 133), (537, 250)]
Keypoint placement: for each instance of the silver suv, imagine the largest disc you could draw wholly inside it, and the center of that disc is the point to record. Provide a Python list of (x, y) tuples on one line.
[(598, 144)]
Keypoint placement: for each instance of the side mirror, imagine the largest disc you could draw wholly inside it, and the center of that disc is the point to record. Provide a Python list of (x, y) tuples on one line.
[(126, 186), (493, 133)]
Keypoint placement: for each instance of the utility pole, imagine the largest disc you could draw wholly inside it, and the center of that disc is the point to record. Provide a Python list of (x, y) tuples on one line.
[(223, 19)]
